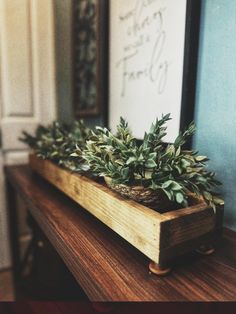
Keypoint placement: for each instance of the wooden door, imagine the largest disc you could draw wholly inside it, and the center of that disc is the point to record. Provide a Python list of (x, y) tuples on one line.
[(27, 85)]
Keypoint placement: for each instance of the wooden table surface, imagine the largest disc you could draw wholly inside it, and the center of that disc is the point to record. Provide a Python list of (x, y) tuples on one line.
[(107, 267)]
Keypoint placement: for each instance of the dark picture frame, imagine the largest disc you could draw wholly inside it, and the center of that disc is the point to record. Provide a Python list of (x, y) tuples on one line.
[(89, 57), (191, 47), (191, 43)]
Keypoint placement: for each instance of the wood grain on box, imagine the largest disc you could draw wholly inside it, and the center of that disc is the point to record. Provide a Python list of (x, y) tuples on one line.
[(159, 236)]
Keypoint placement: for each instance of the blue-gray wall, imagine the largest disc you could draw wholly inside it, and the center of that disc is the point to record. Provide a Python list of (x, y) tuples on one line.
[(215, 107)]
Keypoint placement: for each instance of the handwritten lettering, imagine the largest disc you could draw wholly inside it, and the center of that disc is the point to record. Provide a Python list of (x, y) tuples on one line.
[(138, 22)]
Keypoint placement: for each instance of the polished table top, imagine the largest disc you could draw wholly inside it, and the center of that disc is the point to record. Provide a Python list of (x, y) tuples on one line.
[(107, 267)]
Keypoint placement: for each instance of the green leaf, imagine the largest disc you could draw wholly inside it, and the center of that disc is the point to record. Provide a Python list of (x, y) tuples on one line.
[(53, 154), (170, 149), (207, 196), (150, 163), (218, 201), (167, 184), (169, 194), (178, 169), (74, 155), (178, 151), (201, 158), (155, 186), (176, 186), (119, 162), (152, 156), (125, 172), (185, 163), (179, 198), (130, 160), (148, 174)]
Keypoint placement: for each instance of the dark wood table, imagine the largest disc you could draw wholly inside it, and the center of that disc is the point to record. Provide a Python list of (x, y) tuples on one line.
[(106, 266)]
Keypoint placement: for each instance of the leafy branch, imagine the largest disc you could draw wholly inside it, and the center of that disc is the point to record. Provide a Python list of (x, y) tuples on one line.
[(58, 142), (170, 169)]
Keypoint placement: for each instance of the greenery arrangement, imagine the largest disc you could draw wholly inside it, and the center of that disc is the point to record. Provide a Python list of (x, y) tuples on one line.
[(57, 142), (169, 170), (150, 172)]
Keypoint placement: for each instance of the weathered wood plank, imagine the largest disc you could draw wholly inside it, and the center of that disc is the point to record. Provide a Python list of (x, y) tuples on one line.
[(186, 227), (137, 224), (146, 229)]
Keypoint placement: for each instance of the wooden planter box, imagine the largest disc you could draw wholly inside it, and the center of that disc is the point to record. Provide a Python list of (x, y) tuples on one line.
[(161, 237)]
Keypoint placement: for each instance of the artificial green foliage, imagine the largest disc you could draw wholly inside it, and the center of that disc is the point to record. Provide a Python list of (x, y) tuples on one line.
[(58, 141), (168, 168)]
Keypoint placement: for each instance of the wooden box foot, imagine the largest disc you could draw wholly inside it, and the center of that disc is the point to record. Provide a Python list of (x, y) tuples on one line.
[(158, 270), (205, 249)]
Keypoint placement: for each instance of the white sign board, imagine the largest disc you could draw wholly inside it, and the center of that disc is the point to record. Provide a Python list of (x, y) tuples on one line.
[(147, 39)]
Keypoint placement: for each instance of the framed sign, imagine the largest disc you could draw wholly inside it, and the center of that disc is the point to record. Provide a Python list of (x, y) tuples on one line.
[(89, 54), (152, 68)]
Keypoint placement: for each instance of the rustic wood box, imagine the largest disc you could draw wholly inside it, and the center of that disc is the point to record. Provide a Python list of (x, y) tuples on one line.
[(161, 237)]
